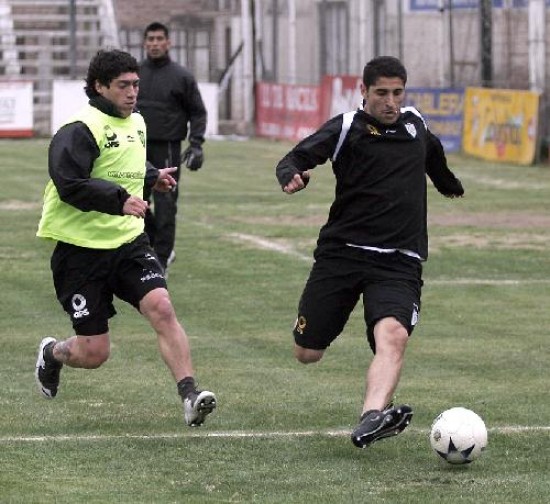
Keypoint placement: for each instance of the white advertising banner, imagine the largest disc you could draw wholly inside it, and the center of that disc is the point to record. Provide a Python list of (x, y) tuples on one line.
[(209, 93), (68, 96), (16, 109)]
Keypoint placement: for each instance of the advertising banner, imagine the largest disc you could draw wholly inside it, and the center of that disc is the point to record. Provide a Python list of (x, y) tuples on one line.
[(286, 111), (442, 110), (501, 125), (340, 94), (68, 97), (457, 4), (432, 5), (16, 109)]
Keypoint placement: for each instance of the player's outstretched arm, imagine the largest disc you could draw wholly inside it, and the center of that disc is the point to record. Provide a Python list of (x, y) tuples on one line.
[(293, 169), (437, 169)]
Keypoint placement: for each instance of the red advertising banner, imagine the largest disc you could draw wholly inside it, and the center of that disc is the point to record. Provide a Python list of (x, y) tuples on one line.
[(287, 112), (340, 94), (290, 112)]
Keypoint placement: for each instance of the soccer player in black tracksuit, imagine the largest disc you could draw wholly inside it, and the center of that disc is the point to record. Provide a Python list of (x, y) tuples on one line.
[(171, 104), (375, 238)]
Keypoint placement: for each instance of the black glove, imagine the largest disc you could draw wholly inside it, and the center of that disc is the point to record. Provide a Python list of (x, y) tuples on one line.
[(193, 157)]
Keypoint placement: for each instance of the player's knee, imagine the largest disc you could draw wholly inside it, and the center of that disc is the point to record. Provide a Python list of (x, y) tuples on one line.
[(157, 307), (398, 335), (164, 309), (307, 355), (96, 355), (390, 336)]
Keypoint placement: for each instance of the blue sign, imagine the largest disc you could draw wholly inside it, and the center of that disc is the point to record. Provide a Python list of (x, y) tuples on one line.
[(456, 4), (442, 110), (428, 5)]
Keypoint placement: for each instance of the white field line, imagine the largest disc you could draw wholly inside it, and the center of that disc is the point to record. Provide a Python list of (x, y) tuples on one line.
[(511, 429), (265, 244)]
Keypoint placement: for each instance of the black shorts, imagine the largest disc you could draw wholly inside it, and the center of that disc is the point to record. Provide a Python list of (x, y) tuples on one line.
[(86, 280), (390, 283)]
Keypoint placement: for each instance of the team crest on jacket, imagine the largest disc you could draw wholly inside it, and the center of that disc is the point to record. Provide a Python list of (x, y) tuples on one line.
[(141, 135), (372, 130), (411, 129), (300, 324)]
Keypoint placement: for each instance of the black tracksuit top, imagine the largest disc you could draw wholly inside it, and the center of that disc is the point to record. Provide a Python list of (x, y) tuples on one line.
[(71, 155), (169, 100), (380, 196)]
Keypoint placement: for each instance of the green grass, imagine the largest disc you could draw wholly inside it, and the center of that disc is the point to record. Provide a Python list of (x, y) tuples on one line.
[(280, 434)]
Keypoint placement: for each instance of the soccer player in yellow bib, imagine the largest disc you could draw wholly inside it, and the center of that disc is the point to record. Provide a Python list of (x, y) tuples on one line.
[(94, 210)]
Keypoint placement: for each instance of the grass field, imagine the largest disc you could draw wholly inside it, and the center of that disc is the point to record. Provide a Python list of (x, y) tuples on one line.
[(281, 431)]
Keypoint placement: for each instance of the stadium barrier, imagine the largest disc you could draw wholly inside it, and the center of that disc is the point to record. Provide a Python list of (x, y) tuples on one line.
[(68, 96), (491, 124), (501, 124), (16, 109)]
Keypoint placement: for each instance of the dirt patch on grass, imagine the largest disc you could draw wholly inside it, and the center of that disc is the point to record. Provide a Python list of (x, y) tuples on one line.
[(504, 230), (508, 241), (489, 230), (505, 220)]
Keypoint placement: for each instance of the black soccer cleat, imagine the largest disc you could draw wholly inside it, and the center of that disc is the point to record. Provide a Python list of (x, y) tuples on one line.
[(377, 424), (197, 405), (47, 371)]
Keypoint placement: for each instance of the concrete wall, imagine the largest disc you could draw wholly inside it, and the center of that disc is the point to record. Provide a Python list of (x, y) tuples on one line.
[(420, 38)]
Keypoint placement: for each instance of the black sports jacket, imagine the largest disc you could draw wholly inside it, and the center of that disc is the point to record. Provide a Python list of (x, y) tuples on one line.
[(169, 99), (380, 196), (71, 157)]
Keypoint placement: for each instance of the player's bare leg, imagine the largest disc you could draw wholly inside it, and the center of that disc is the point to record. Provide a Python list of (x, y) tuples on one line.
[(174, 347), (379, 419), (383, 374)]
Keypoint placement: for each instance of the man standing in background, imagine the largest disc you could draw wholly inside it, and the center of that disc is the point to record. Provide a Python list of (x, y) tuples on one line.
[(172, 106)]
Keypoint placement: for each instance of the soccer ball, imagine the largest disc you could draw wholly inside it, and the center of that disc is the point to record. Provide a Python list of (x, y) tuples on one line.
[(458, 436)]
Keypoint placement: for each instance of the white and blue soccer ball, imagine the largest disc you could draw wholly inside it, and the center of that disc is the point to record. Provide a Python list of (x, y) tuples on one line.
[(458, 436)]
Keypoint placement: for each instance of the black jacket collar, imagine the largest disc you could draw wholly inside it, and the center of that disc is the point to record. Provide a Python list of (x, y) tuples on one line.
[(105, 106)]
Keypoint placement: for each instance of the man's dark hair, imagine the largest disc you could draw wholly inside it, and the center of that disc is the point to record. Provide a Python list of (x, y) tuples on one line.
[(383, 66), (107, 66), (156, 26)]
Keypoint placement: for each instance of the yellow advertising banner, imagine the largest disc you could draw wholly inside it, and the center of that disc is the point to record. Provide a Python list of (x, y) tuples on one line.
[(501, 124)]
